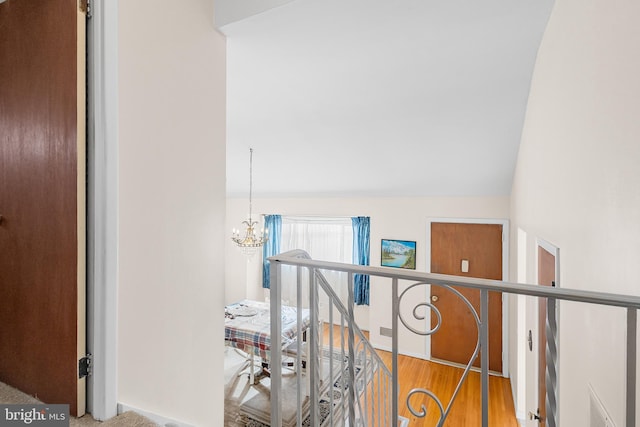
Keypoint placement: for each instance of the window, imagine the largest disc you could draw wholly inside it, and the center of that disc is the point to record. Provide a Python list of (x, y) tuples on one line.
[(324, 239)]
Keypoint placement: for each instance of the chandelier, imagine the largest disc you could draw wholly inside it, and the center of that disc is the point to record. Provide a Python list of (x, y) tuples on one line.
[(250, 241)]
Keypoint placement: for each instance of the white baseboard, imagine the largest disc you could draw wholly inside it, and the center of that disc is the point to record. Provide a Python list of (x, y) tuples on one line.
[(404, 353), (521, 415), (163, 421)]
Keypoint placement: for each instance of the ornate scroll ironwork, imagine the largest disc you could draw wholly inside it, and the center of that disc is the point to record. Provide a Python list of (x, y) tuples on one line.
[(444, 412)]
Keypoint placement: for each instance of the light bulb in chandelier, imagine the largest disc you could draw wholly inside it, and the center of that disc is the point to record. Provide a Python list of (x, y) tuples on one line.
[(250, 238)]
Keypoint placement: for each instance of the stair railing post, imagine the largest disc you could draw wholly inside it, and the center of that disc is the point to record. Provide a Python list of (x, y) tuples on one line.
[(275, 356), (632, 317), (352, 355), (484, 355), (314, 360), (330, 349), (551, 355), (300, 336), (395, 392)]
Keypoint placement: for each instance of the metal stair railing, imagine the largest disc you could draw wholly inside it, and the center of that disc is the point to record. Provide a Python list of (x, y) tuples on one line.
[(359, 383), (360, 409)]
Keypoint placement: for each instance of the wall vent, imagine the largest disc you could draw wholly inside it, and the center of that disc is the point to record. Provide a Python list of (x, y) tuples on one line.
[(598, 415)]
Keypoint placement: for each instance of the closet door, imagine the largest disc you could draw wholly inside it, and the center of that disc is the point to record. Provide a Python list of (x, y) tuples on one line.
[(42, 199)]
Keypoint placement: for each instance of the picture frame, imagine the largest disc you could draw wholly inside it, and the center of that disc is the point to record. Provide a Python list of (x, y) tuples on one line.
[(398, 253)]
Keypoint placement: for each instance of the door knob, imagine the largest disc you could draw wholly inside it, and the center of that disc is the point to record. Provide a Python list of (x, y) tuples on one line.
[(434, 298)]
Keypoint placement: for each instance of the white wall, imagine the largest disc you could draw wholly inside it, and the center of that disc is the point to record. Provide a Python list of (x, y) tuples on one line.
[(577, 185), (391, 218), (171, 207)]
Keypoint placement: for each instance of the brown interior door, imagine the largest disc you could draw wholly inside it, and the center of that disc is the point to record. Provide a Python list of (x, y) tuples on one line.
[(42, 199), (481, 246), (546, 277)]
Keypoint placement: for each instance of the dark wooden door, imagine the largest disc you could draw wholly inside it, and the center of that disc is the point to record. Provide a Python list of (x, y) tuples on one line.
[(42, 187), (481, 246), (546, 277)]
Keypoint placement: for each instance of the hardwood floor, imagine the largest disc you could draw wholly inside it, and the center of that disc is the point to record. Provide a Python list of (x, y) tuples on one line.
[(442, 380)]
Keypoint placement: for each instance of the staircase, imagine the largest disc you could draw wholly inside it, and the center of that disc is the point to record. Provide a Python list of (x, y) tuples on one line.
[(345, 382), (349, 382)]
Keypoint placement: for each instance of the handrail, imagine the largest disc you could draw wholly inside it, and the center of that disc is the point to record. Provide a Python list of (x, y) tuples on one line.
[(299, 258), (592, 297)]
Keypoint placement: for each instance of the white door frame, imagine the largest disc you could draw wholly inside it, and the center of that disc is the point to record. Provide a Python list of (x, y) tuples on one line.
[(102, 213), (505, 276)]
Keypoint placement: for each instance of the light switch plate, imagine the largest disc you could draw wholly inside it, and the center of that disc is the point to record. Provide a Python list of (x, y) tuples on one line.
[(464, 266)]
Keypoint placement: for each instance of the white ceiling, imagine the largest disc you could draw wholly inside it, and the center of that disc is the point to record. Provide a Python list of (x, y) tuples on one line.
[(375, 97)]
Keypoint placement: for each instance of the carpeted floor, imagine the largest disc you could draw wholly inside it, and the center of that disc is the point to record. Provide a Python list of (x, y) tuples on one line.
[(128, 419), (250, 406), (235, 389), (245, 404)]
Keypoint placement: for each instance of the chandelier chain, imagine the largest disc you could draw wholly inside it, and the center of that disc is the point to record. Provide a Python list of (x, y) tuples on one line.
[(250, 241), (250, 181)]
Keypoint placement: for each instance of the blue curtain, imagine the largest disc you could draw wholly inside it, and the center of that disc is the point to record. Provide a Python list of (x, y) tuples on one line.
[(272, 223), (361, 240)]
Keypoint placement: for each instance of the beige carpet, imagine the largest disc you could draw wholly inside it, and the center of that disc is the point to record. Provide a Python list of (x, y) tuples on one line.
[(236, 388), (128, 419)]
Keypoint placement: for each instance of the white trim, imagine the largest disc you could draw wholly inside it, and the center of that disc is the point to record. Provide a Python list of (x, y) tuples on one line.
[(438, 361), (404, 353), (548, 246), (505, 276), (103, 208), (519, 387), (553, 250), (159, 419)]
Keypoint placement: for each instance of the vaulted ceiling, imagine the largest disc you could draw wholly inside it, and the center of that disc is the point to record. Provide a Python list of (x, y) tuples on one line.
[(375, 97)]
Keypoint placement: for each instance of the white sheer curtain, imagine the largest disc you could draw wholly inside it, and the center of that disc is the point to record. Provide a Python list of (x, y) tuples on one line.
[(325, 239)]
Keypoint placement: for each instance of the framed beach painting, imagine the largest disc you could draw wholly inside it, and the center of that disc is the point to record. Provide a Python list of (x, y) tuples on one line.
[(398, 253)]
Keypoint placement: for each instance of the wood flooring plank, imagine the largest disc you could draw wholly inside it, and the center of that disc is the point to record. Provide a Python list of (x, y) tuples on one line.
[(442, 380)]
